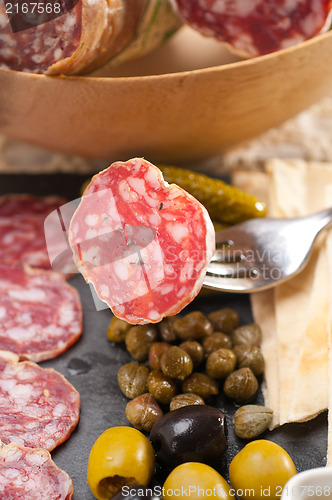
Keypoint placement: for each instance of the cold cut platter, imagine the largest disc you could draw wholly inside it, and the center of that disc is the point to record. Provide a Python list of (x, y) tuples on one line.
[(92, 363)]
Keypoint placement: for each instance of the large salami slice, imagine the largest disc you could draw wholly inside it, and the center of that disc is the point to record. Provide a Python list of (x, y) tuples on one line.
[(256, 27), (40, 314), (22, 236), (38, 406), (31, 474), (142, 243), (85, 37)]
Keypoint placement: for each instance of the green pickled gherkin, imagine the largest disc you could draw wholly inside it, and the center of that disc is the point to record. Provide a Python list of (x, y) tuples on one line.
[(225, 203), (219, 226)]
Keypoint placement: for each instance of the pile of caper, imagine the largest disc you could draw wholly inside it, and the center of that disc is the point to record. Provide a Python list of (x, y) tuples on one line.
[(188, 357)]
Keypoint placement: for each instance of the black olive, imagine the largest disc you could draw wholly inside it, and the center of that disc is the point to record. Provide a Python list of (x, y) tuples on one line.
[(190, 434), (135, 492)]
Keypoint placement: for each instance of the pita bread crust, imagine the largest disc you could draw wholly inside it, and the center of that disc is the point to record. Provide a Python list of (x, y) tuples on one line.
[(297, 310)]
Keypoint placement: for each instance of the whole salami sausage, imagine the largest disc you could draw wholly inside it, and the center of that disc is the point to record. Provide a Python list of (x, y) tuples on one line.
[(40, 314), (30, 474), (142, 243), (22, 237), (38, 406), (85, 37), (257, 27)]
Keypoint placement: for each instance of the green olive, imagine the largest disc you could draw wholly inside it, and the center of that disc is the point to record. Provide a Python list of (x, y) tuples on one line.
[(120, 456), (198, 481), (261, 470)]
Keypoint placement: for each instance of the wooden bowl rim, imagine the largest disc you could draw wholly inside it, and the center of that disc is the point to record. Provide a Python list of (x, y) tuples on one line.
[(166, 76)]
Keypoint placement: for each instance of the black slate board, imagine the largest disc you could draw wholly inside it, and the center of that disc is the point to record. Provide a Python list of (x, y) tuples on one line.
[(91, 365)]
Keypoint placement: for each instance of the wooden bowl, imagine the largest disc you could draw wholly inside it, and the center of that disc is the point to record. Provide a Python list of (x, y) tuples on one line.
[(185, 113)]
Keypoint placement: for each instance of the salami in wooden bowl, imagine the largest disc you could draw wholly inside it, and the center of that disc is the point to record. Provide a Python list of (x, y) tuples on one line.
[(167, 106)]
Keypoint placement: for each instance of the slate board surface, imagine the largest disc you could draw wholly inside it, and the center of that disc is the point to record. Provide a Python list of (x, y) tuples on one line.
[(91, 365)]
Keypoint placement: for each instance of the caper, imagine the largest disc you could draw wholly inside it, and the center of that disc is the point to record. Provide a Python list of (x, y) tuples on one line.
[(251, 420), (117, 330), (166, 329), (201, 384), (250, 334), (250, 356), (186, 399), (220, 363), (192, 326), (195, 351), (139, 339), (133, 379), (224, 320), (241, 385), (156, 351), (162, 387), (216, 341), (176, 363), (143, 412)]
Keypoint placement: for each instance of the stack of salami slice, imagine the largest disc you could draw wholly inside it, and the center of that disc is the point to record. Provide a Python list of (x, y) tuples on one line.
[(257, 27), (40, 317)]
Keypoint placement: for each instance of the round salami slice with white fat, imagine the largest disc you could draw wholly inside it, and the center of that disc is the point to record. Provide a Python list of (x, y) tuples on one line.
[(257, 27), (142, 243), (40, 314), (31, 474), (22, 237), (38, 407)]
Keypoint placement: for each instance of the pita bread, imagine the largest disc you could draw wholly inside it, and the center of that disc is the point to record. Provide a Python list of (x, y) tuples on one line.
[(264, 313), (312, 377), (287, 179), (291, 306), (310, 392), (263, 303), (297, 310), (287, 195)]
